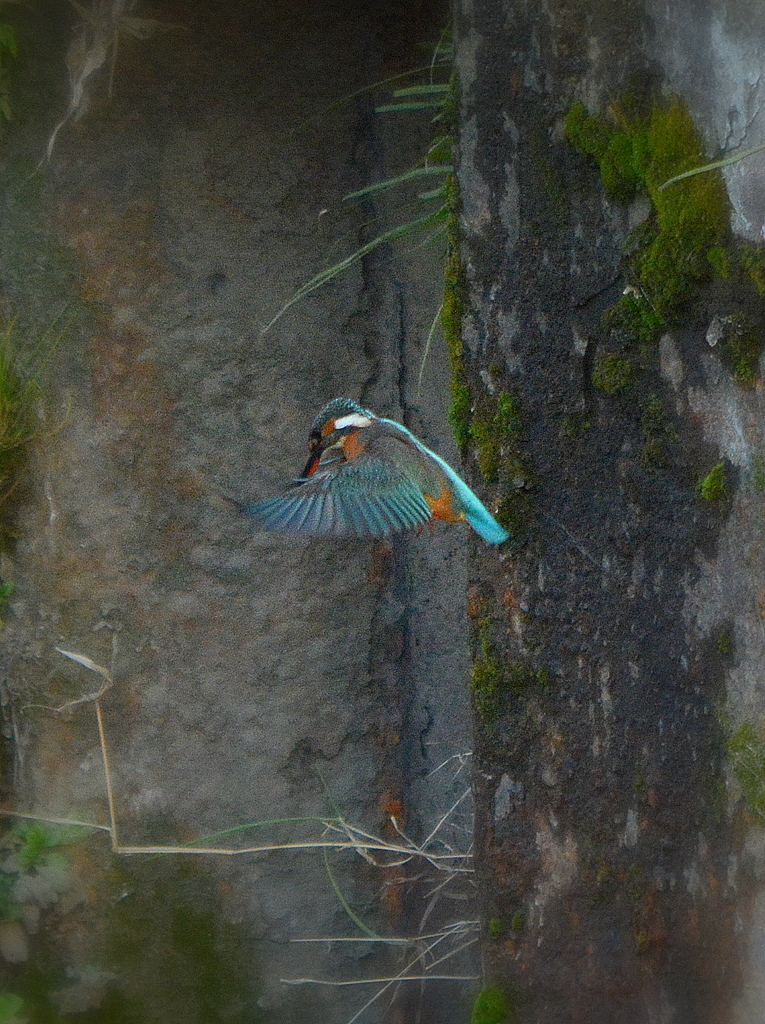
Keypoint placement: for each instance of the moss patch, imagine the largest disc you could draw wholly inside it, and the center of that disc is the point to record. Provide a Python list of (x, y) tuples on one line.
[(17, 397), (492, 1006), (758, 473), (487, 678), (612, 373), (493, 424), (633, 319), (746, 748), (493, 678), (658, 432), (452, 311), (496, 431), (740, 340), (689, 227), (685, 242), (714, 486)]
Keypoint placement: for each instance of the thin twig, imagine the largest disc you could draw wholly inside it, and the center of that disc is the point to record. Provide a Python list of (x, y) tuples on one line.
[(108, 774), (8, 813), (448, 814), (376, 981)]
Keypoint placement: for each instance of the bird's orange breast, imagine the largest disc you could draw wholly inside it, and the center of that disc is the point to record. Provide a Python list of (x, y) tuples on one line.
[(353, 446), (443, 508)]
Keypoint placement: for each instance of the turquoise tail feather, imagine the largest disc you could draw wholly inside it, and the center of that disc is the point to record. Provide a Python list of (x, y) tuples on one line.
[(476, 513)]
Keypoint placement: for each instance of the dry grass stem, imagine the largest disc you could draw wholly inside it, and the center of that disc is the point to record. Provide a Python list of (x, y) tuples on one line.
[(350, 837)]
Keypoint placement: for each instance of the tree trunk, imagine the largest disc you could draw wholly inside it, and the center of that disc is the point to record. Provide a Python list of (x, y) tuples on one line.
[(618, 637)]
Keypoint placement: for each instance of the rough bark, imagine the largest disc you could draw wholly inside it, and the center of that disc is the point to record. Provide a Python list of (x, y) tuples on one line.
[(604, 842)]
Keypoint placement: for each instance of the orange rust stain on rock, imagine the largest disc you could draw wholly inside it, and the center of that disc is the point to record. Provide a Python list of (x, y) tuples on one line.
[(122, 274), (476, 603), (394, 878)]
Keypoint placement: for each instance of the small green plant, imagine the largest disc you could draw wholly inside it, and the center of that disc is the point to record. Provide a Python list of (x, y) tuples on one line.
[(34, 842), (492, 1006), (714, 486), (438, 99), (34, 871), (10, 1007)]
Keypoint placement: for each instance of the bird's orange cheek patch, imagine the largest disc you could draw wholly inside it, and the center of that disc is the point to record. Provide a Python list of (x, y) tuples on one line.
[(442, 508), (352, 446)]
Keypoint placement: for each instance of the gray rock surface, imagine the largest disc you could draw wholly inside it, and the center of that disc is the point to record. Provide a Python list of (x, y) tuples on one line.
[(255, 677)]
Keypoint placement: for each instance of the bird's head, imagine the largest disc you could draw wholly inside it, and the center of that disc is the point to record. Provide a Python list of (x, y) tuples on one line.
[(338, 417)]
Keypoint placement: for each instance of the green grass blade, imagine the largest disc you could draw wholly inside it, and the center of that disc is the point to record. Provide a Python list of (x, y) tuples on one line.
[(332, 272), (713, 166), (426, 351), (263, 823), (430, 89), (344, 902), (436, 193), (397, 108), (415, 172)]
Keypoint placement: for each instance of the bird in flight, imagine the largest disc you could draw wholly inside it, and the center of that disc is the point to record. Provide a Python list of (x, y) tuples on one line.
[(370, 477)]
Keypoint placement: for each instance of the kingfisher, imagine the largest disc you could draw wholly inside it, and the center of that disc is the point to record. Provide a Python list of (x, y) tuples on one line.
[(370, 477)]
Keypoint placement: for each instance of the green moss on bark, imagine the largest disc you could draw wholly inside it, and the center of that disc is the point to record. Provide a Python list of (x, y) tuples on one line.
[(690, 222), (492, 1006)]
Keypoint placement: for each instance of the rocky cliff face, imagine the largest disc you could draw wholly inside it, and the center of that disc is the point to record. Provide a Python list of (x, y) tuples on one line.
[(256, 679)]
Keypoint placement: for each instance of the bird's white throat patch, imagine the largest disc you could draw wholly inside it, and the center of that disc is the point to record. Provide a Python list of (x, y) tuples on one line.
[(353, 419)]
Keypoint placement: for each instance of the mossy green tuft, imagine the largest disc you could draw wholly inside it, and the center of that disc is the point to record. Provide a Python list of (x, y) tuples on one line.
[(658, 432), (640, 151), (612, 373), (746, 748), (493, 678), (496, 430), (452, 310), (17, 429), (486, 678), (492, 1006), (714, 486)]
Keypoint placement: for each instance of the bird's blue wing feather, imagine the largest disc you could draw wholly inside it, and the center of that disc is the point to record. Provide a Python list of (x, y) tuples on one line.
[(476, 513), (362, 498)]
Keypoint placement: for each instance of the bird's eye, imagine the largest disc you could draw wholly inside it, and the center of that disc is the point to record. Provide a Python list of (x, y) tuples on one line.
[(314, 440)]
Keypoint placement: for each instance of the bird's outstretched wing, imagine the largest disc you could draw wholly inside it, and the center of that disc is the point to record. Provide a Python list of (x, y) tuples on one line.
[(368, 496)]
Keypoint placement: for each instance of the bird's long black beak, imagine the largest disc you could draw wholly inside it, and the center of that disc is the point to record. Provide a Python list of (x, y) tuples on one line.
[(315, 448)]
